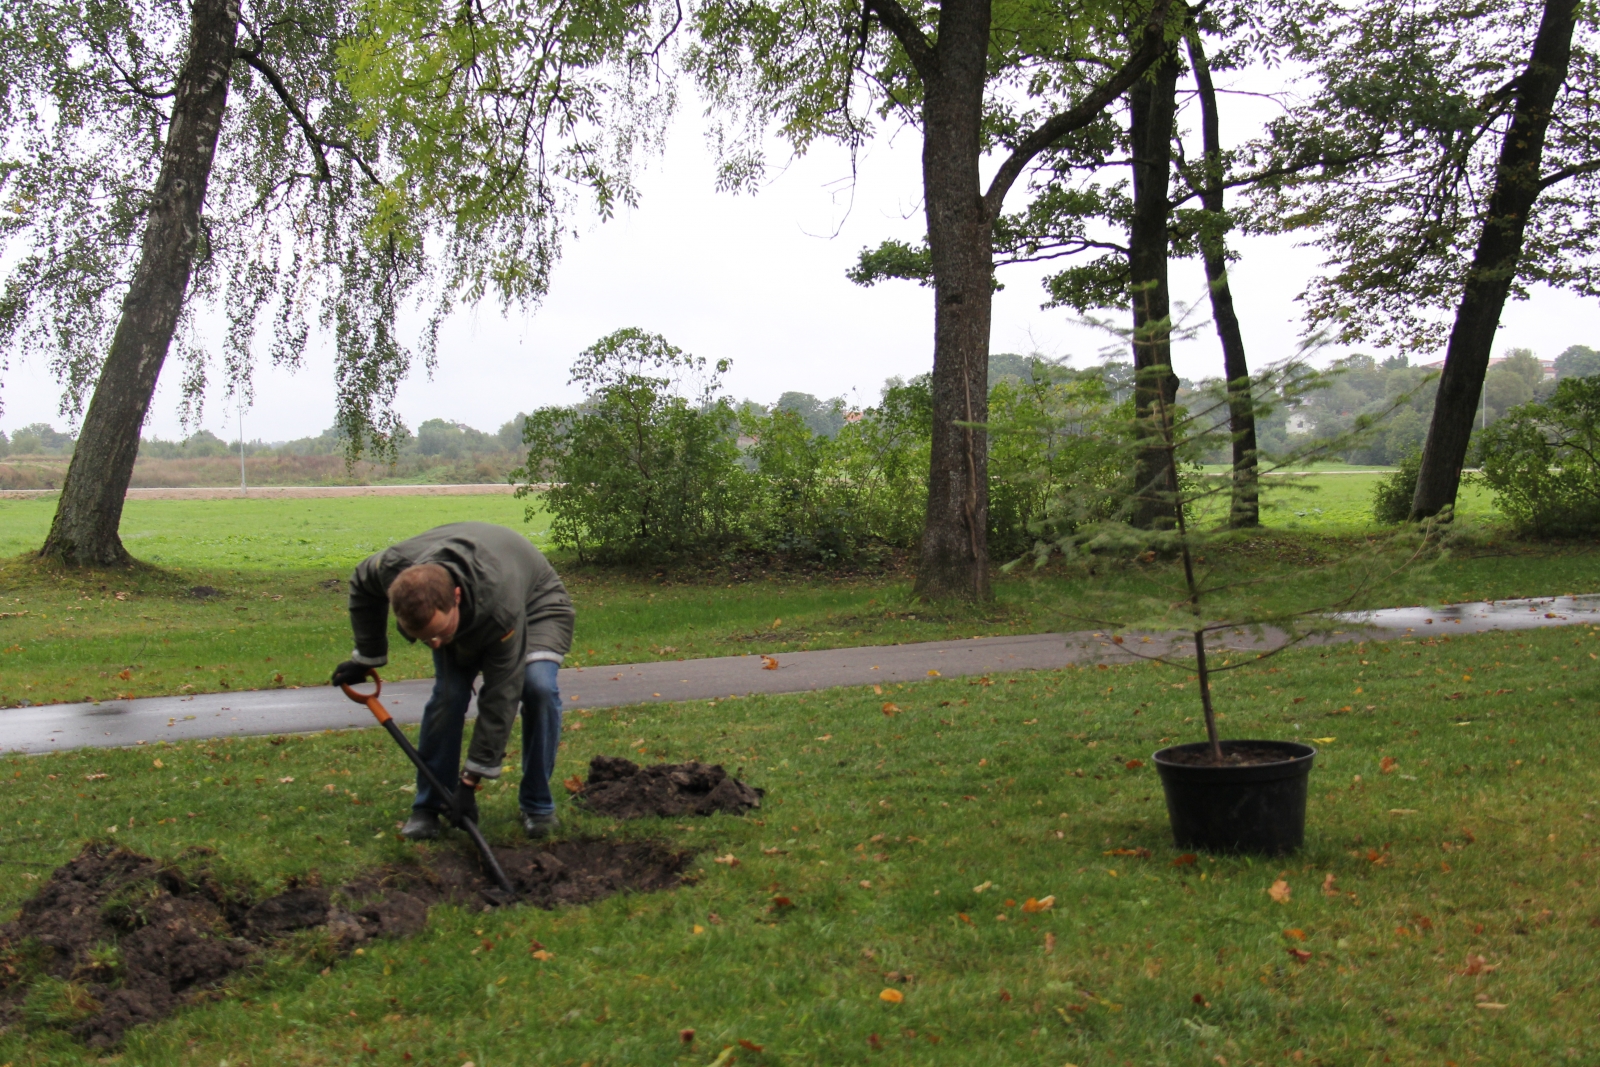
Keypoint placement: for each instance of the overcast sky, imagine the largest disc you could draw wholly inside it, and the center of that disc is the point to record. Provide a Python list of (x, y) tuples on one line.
[(760, 280)]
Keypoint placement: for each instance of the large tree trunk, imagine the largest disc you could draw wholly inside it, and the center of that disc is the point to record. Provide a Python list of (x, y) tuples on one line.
[(84, 532), (1152, 103), (955, 551), (1246, 509), (1494, 263)]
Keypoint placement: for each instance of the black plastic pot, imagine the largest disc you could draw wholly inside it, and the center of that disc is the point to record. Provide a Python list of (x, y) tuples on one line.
[(1259, 808)]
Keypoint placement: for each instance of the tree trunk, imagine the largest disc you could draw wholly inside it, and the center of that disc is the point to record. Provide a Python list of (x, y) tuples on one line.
[(955, 551), (1153, 105), (1494, 263), (84, 532), (1246, 509)]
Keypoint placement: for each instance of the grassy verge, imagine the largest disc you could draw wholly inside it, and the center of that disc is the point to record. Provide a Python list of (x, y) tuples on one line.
[(1445, 901), (275, 611)]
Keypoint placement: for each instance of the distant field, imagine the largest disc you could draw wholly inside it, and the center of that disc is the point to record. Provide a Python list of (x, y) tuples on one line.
[(47, 472)]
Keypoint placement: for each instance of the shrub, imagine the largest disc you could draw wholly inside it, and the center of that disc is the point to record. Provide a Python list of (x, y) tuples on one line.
[(1391, 497), (641, 471), (1543, 462)]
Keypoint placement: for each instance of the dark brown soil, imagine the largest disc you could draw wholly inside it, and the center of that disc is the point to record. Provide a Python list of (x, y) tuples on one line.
[(114, 939), (622, 789), (1236, 756)]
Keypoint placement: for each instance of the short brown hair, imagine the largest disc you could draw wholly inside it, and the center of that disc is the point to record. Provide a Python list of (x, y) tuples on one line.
[(419, 592)]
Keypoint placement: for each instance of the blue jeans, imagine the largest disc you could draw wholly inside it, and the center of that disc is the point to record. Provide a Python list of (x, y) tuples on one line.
[(444, 718)]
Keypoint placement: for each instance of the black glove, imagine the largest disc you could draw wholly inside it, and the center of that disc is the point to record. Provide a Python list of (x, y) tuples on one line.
[(466, 803), (350, 673)]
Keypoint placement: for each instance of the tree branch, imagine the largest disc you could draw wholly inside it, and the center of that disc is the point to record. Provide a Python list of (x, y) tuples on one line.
[(908, 33), (318, 143), (1568, 172), (1151, 47)]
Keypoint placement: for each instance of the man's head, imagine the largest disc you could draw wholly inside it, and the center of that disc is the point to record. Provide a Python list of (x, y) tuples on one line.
[(426, 603)]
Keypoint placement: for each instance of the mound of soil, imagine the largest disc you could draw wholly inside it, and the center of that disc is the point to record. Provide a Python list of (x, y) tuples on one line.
[(622, 789), (114, 939)]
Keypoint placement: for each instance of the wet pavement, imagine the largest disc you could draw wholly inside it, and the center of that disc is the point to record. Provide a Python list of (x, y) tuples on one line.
[(117, 723)]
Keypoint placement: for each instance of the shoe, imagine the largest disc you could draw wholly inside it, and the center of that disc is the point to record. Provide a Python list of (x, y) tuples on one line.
[(422, 826), (540, 825)]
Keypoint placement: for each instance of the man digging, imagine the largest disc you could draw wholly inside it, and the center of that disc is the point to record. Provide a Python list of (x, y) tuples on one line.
[(487, 602)]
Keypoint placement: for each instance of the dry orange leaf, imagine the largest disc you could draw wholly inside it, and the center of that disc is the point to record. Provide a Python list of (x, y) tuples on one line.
[(891, 996), (890, 708), (542, 954), (769, 663), (749, 1045), (1478, 965), (1329, 889), (964, 917), (1049, 943), (1134, 764), (1141, 853), (1296, 933), (729, 860), (1033, 907), (933, 674), (1300, 954), (573, 784), (782, 902), (1188, 859), (1280, 891), (1388, 764)]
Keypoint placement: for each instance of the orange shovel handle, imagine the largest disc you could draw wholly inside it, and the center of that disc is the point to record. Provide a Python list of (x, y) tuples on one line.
[(379, 712)]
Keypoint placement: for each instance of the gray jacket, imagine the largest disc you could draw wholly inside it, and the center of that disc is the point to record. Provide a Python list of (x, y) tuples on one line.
[(513, 609)]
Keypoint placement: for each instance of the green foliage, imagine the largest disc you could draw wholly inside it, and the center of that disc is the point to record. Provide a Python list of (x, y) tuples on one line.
[(640, 471), (1543, 462), (1047, 440), (1578, 361), (1392, 496)]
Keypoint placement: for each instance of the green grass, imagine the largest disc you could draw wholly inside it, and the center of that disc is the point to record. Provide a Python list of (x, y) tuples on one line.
[(1480, 841), (281, 619)]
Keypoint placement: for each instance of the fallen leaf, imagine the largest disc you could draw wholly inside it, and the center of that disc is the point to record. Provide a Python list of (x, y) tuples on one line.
[(750, 1046), (95, 777), (878, 689), (1324, 740), (933, 674), (1295, 933), (1478, 965), (890, 708), (964, 917), (699, 929), (157, 764), (686, 1035), (873, 1040), (542, 954), (1402, 811), (124, 674), (769, 663), (1141, 853), (1033, 907), (776, 623), (1388, 764), (1134, 764), (825, 737), (573, 784), (1329, 889), (1280, 891), (891, 996), (1300, 954), (1491, 1005), (782, 902), (1049, 943), (1200, 999), (286, 779), (729, 860), (984, 886), (1188, 859)]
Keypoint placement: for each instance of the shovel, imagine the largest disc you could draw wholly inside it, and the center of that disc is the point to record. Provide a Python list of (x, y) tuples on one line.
[(381, 713)]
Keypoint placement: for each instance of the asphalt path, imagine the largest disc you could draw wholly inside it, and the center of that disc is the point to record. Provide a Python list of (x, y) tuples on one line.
[(148, 720)]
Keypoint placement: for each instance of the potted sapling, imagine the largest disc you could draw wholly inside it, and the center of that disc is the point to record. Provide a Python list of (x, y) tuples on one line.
[(1170, 573)]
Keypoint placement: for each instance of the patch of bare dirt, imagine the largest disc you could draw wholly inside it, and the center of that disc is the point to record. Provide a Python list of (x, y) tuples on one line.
[(114, 939), (622, 789)]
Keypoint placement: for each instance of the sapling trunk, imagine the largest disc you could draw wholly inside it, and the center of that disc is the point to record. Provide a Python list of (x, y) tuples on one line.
[(1164, 414)]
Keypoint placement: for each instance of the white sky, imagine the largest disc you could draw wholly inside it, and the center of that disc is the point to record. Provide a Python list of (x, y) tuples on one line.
[(760, 280)]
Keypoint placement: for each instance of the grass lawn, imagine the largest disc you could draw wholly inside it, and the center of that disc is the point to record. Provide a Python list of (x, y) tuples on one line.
[(1445, 909), (280, 618)]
